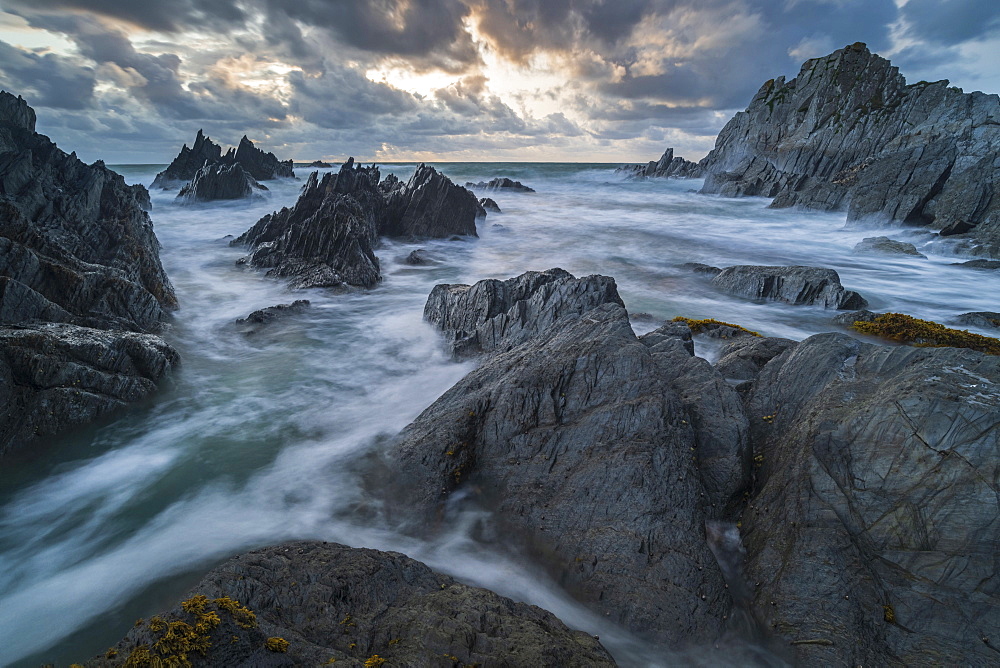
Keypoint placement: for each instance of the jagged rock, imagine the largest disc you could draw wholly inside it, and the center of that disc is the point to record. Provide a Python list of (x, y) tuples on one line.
[(848, 132), (320, 164), (873, 532), (350, 605), (667, 332), (420, 258), (327, 238), (666, 166), (489, 205), (265, 316), (189, 161), (981, 319), (699, 268), (76, 247), (258, 164), (886, 246), (430, 206), (219, 182), (54, 376), (745, 357), (979, 264), (500, 183), (792, 285), (497, 315), (588, 445), (851, 317)]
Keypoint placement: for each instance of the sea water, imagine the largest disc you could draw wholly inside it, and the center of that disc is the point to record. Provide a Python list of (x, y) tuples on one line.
[(257, 439)]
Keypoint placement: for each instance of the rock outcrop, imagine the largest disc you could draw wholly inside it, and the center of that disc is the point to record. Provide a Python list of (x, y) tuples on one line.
[(601, 454), (792, 285), (316, 604), (261, 318), (217, 181), (500, 183), (328, 238), (873, 532), (981, 319), (76, 248), (489, 205), (319, 164), (666, 166), (885, 246), (849, 133), (257, 164)]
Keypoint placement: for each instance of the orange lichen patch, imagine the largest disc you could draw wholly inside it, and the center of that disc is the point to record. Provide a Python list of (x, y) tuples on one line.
[(907, 329)]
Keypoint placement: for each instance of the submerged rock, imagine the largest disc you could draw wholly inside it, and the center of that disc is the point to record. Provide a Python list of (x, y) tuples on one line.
[(500, 183), (792, 285), (265, 316), (420, 258), (311, 604), (849, 133), (979, 264), (886, 246), (666, 166), (76, 247), (873, 532), (982, 319), (219, 182), (489, 205)]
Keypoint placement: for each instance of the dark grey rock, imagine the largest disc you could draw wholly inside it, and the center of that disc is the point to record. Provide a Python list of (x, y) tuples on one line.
[(219, 182), (430, 206), (886, 246), (666, 166), (76, 247), (851, 317), (320, 164), (327, 238), (188, 162), (699, 268), (258, 164), (849, 133), (56, 376), (493, 315), (489, 205), (332, 602), (265, 316), (979, 264), (873, 532), (745, 357), (667, 332), (956, 228), (792, 285), (420, 258), (981, 319), (500, 183)]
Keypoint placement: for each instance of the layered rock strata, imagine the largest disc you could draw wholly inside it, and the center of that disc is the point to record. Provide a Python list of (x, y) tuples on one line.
[(81, 286), (792, 285), (257, 164), (220, 182), (317, 604)]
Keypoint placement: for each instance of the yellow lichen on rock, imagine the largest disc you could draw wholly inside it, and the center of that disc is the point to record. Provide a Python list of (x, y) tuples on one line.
[(907, 329), (277, 645)]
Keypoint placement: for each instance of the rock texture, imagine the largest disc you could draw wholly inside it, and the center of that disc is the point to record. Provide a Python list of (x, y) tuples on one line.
[(873, 532), (601, 454), (981, 319), (259, 319), (328, 238), (500, 183), (792, 285), (77, 248), (744, 358), (666, 166), (218, 182), (849, 133), (336, 605), (886, 246), (257, 164), (489, 205)]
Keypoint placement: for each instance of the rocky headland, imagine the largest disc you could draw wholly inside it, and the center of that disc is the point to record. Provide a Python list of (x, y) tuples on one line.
[(500, 183), (327, 239), (666, 166), (82, 290)]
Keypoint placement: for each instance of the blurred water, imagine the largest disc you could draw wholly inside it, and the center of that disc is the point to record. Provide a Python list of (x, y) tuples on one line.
[(255, 440)]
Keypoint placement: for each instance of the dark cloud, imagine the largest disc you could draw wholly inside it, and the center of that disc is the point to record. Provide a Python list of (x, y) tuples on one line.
[(159, 15), (47, 79), (949, 22)]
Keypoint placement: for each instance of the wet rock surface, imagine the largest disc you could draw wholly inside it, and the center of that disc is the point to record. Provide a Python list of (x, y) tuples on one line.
[(77, 248), (792, 285), (500, 183), (886, 246), (332, 602), (219, 182), (982, 319), (489, 205), (270, 314), (873, 529)]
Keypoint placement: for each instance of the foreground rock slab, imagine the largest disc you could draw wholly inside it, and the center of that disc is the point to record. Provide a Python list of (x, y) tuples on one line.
[(792, 285), (312, 604)]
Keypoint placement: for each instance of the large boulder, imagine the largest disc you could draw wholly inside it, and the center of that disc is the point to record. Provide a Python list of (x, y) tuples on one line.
[(76, 247), (873, 533), (314, 604), (792, 285), (849, 133), (666, 166), (327, 238), (600, 454), (885, 246), (430, 206), (219, 182)]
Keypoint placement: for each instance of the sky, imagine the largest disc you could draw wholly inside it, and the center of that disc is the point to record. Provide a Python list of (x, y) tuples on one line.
[(130, 81)]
